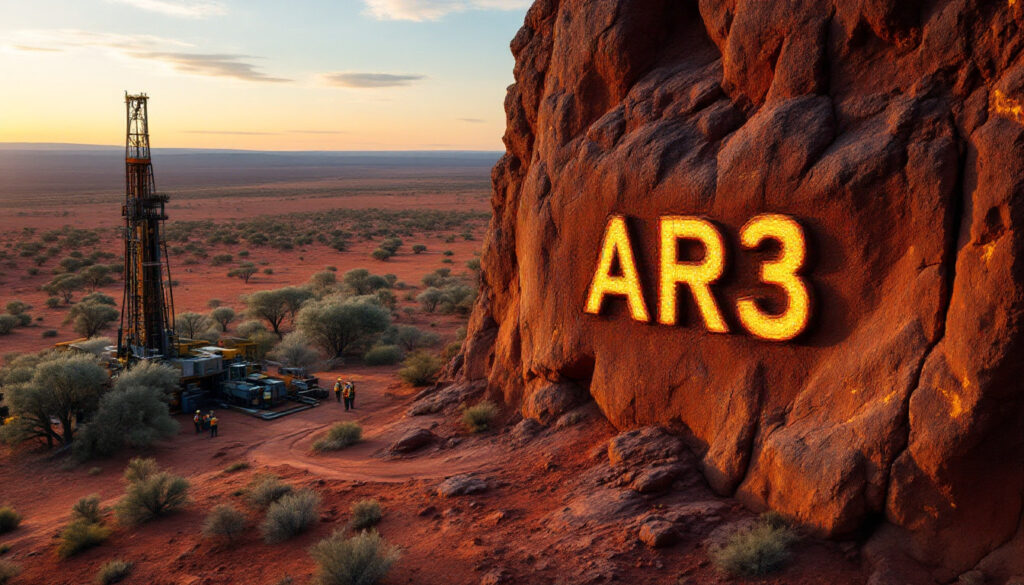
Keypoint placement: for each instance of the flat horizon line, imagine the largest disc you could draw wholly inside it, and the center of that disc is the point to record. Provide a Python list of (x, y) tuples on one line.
[(86, 146)]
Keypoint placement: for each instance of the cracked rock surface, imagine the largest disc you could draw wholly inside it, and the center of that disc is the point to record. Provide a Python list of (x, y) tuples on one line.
[(893, 132)]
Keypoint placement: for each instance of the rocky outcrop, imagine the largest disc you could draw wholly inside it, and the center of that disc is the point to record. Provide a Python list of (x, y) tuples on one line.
[(894, 133)]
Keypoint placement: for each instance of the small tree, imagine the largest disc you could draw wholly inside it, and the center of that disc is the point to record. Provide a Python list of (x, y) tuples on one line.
[(338, 326), (244, 271), (191, 325), (58, 386), (275, 306), (430, 298), (64, 286), (223, 316), (130, 415), (92, 315), (96, 276)]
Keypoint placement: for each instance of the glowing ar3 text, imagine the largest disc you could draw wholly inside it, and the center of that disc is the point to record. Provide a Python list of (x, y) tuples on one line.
[(783, 272)]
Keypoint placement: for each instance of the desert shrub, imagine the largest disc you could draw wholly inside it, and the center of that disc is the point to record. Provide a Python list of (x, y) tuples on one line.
[(418, 248), (391, 245), (268, 271), (224, 521), (223, 316), (290, 515), (383, 355), (267, 489), (50, 333), (17, 307), (755, 551), (296, 351), (214, 303), (81, 535), (451, 350), (150, 493), (448, 253), (131, 415), (420, 369), (363, 559), (244, 271), (339, 436), (191, 324), (8, 571), (221, 259), (87, 508), (9, 519), (382, 254), (365, 513), (250, 328), (236, 467), (113, 571), (340, 326), (410, 338), (478, 418), (53, 302), (8, 323)]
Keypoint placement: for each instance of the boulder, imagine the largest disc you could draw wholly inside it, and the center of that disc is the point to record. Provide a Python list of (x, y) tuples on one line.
[(655, 479), (413, 440), (551, 401), (643, 446), (657, 533), (892, 133), (461, 485), (526, 430), (437, 399)]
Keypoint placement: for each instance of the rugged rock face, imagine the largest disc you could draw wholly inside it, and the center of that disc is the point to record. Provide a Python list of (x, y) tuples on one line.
[(893, 132)]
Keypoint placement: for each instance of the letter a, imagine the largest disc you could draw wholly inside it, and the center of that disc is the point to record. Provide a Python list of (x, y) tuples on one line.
[(616, 243)]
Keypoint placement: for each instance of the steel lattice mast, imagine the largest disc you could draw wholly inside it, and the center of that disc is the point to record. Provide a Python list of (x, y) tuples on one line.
[(147, 309)]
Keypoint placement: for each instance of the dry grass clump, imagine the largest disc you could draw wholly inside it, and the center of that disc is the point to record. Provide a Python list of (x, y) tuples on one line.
[(365, 513), (757, 550), (290, 515), (225, 521), (363, 559), (478, 418), (113, 571), (265, 490), (338, 437)]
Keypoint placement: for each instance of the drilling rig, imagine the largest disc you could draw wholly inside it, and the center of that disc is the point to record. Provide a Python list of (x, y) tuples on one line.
[(147, 308)]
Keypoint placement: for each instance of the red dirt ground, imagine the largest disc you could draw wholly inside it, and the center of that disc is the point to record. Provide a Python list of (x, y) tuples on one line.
[(456, 543)]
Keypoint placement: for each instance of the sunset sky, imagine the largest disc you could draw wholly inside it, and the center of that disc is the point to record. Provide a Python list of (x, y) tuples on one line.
[(260, 74)]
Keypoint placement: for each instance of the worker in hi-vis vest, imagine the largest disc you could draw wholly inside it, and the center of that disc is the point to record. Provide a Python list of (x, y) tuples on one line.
[(337, 390), (213, 425), (198, 420)]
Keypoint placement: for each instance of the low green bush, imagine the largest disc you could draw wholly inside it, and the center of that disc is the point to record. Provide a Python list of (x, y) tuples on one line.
[(236, 467), (224, 521), (478, 418), (290, 515), (756, 550), (151, 493), (363, 559), (420, 369), (87, 508), (9, 519), (339, 436), (113, 571), (365, 513), (383, 355), (265, 490), (81, 535)]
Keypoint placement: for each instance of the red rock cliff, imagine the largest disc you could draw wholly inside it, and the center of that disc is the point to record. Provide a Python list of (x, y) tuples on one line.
[(893, 131)]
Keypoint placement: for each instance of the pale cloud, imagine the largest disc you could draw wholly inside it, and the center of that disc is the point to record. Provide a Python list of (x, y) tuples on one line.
[(143, 47), (370, 80), (420, 10), (179, 8), (214, 65), (472, 120)]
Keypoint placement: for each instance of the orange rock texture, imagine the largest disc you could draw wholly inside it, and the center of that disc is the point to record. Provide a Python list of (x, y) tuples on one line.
[(892, 131)]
